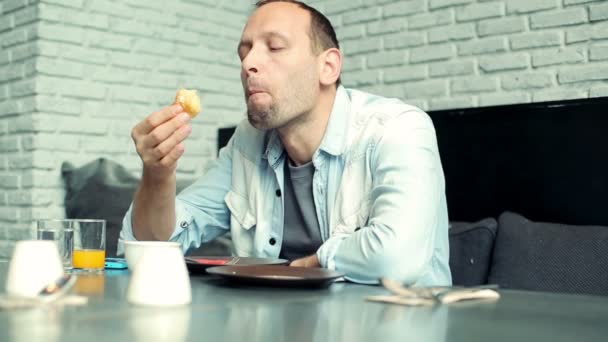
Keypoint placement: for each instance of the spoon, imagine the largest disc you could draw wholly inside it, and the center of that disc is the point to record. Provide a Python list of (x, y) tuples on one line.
[(57, 288), (49, 293)]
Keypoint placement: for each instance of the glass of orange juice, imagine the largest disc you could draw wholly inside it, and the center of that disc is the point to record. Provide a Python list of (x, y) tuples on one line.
[(89, 253)]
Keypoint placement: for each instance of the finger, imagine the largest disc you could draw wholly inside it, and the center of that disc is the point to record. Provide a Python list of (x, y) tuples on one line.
[(166, 130), (165, 147), (297, 263), (171, 158), (157, 118)]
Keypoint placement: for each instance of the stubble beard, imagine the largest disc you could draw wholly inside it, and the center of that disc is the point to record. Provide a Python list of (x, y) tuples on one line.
[(262, 118), (279, 114)]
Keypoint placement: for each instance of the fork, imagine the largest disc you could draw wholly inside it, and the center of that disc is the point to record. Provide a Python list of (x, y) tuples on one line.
[(233, 261)]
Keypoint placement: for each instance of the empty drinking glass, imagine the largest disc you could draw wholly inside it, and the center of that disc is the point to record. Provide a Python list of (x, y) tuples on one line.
[(62, 233)]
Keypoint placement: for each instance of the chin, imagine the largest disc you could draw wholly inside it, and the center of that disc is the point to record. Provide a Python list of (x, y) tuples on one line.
[(259, 120), (260, 126)]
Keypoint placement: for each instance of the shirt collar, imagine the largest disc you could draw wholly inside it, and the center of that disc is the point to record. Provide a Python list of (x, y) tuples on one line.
[(334, 139)]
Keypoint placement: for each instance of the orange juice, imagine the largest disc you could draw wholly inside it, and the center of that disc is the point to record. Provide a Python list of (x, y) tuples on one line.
[(89, 258)]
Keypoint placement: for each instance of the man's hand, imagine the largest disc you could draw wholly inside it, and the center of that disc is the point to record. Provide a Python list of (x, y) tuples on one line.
[(158, 140), (309, 261)]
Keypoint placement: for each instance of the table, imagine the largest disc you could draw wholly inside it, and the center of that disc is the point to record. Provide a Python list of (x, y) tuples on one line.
[(221, 312)]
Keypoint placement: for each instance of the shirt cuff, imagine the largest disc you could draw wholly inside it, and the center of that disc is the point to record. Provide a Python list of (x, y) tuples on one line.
[(126, 233), (183, 222), (327, 252), (327, 258)]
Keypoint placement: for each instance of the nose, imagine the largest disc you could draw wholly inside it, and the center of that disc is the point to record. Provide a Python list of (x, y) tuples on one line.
[(250, 63)]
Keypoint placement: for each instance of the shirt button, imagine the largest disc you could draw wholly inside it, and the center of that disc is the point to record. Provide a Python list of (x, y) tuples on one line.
[(272, 241), (278, 192), (184, 224)]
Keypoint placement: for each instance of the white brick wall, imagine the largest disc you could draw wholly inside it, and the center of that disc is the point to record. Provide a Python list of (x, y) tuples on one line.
[(17, 51), (76, 75), (442, 54)]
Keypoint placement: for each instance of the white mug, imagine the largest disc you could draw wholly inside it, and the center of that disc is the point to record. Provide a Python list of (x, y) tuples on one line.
[(34, 265), (160, 278), (135, 249)]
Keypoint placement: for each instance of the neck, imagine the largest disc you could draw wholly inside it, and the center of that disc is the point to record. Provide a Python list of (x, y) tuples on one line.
[(302, 138)]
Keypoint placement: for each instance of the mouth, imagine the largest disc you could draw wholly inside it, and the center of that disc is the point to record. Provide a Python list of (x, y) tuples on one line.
[(251, 92)]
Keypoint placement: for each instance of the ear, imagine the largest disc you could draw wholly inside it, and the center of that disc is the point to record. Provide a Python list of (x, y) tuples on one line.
[(330, 66)]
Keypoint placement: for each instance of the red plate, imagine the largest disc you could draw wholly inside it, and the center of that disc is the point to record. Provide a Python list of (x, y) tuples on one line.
[(199, 264)]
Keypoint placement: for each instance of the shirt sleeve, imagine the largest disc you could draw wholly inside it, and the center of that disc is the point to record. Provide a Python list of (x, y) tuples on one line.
[(406, 198), (200, 211)]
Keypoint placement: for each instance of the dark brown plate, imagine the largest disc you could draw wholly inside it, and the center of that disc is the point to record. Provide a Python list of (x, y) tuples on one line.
[(201, 263), (282, 276)]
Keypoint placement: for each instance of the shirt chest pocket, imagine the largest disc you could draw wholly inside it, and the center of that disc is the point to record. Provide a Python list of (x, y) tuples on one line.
[(242, 223), (355, 215), (240, 210)]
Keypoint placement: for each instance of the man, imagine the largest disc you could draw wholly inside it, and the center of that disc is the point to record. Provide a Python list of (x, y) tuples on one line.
[(318, 174)]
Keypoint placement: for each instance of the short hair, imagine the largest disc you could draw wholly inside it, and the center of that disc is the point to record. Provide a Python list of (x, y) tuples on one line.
[(322, 33)]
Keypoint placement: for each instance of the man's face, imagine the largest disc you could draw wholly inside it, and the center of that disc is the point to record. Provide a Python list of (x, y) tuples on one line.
[(279, 71)]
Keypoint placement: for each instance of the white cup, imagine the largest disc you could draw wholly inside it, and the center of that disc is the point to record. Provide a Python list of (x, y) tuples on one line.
[(135, 249), (34, 265), (160, 278)]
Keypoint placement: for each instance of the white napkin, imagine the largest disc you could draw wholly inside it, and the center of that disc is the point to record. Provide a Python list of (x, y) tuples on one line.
[(417, 296), (445, 298)]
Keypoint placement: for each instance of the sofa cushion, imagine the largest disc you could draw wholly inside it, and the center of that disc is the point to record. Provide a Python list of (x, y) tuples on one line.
[(550, 256), (471, 247), (104, 189)]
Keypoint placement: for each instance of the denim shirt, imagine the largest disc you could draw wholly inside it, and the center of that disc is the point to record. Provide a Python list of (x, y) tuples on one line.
[(378, 189)]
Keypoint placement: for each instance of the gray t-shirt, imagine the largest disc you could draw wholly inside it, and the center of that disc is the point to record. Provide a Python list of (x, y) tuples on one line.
[(301, 235)]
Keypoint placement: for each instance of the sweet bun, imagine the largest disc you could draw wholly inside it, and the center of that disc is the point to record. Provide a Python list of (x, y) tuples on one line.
[(189, 100)]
